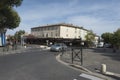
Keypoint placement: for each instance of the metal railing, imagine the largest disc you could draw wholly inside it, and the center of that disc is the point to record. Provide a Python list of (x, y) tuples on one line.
[(77, 53)]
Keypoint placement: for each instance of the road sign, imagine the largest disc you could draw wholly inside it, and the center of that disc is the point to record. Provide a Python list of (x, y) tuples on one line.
[(2, 39)]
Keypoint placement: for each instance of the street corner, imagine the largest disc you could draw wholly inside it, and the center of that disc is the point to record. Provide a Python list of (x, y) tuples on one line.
[(82, 69)]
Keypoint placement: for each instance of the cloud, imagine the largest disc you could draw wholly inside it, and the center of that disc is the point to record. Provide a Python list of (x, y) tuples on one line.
[(98, 25), (100, 16)]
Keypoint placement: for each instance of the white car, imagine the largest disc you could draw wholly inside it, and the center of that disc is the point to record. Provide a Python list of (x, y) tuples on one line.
[(58, 47)]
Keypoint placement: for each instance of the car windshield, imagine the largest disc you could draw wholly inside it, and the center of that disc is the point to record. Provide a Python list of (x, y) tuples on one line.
[(58, 45)]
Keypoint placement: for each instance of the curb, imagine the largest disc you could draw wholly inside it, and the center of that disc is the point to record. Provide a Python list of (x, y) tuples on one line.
[(82, 69)]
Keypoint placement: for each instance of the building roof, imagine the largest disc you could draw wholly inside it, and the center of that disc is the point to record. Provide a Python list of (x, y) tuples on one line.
[(61, 24)]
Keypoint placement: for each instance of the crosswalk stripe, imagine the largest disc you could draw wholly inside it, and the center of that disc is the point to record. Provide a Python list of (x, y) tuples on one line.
[(90, 77)]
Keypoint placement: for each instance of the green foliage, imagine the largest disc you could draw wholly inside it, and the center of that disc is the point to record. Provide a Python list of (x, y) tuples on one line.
[(9, 18), (90, 37), (112, 38), (116, 38), (10, 37), (18, 34), (8, 3), (107, 37)]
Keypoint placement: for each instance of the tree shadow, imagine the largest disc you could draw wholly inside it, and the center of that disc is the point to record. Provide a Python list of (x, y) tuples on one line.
[(108, 52)]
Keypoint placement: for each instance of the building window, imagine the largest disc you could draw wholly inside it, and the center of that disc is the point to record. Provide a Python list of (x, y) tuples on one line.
[(79, 31), (66, 35), (55, 28), (42, 35), (48, 28), (52, 28), (41, 29), (51, 34), (34, 29), (75, 30), (56, 34), (47, 35), (44, 28)]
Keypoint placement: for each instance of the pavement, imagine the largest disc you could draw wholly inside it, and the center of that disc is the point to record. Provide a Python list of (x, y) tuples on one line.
[(93, 60), (10, 50), (37, 64), (20, 49)]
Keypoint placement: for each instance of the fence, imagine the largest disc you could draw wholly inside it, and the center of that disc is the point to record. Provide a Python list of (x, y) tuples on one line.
[(74, 54)]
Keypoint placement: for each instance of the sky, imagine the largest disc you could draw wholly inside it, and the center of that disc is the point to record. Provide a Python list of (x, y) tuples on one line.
[(100, 16)]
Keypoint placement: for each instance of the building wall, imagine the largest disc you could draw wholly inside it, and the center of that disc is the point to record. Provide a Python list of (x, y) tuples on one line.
[(69, 32), (59, 32), (46, 32), (83, 33)]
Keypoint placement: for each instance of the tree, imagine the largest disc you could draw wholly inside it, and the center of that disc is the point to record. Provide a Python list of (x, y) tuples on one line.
[(116, 38), (90, 37), (112, 38), (8, 3), (9, 18), (18, 34), (107, 37), (10, 37)]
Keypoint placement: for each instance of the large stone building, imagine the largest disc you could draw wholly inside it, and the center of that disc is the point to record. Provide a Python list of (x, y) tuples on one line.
[(62, 30)]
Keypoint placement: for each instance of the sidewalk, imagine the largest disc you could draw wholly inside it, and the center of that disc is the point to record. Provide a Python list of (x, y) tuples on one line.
[(5, 51), (93, 58), (21, 49)]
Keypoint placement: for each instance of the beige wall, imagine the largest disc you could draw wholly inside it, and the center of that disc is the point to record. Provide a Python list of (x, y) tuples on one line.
[(66, 32), (51, 32), (59, 32), (83, 33), (70, 32)]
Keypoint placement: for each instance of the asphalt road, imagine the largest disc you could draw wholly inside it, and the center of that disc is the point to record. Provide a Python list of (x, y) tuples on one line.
[(35, 64)]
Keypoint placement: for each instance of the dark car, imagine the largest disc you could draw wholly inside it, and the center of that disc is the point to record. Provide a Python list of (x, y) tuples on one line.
[(58, 47)]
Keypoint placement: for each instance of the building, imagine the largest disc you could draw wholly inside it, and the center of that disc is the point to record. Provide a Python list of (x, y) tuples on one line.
[(57, 33), (62, 30)]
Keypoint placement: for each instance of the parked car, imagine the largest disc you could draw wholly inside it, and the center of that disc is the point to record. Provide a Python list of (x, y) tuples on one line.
[(107, 45), (100, 45), (58, 47)]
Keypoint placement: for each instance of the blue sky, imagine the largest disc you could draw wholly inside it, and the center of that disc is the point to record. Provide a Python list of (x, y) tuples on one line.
[(97, 15)]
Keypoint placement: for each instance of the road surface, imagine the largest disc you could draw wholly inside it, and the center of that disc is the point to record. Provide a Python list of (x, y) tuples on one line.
[(36, 64)]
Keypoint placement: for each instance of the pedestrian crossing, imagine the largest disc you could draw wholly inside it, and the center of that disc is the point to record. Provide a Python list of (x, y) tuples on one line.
[(87, 77)]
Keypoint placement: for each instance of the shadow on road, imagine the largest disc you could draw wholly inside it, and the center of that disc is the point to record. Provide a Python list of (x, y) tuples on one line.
[(108, 52)]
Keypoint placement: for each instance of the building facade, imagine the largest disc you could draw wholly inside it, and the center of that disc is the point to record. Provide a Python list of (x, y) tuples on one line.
[(61, 30)]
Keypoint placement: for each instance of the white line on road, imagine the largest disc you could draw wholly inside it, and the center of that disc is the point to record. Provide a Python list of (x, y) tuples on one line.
[(90, 77)]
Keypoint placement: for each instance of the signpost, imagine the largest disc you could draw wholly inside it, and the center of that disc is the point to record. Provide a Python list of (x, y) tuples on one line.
[(2, 39)]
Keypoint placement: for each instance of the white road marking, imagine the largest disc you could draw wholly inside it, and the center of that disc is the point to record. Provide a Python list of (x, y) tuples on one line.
[(74, 79), (90, 77)]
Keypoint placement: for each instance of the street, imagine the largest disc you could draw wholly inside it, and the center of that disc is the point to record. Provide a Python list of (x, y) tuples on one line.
[(35, 64)]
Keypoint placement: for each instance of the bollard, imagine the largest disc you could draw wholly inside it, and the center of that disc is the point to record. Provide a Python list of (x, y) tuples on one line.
[(103, 68)]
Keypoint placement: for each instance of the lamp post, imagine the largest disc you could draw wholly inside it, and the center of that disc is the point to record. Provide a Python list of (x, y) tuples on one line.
[(81, 49), (21, 40)]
